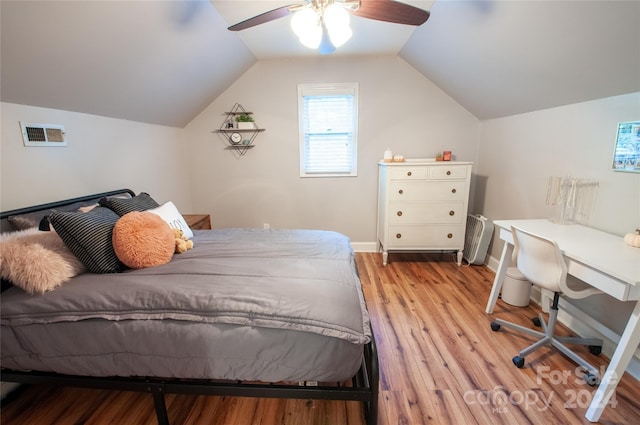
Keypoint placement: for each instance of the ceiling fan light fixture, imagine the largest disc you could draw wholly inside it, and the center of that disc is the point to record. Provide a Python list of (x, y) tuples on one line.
[(340, 36), (303, 20), (306, 25), (311, 25), (312, 38), (336, 20), (336, 16)]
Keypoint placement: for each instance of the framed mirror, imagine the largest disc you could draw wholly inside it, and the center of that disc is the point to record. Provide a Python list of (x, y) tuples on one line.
[(626, 155)]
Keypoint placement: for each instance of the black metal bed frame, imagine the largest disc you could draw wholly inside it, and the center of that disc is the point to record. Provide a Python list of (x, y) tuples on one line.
[(364, 385)]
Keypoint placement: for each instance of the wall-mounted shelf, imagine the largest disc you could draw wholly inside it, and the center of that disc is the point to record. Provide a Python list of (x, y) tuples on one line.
[(238, 139)]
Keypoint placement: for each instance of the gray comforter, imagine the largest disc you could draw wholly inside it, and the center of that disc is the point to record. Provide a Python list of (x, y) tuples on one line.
[(297, 282)]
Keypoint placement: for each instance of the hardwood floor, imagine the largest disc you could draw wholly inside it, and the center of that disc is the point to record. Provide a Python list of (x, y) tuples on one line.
[(440, 364)]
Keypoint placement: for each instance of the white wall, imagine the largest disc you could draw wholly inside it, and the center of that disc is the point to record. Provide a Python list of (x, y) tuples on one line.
[(517, 155), (102, 154), (399, 109)]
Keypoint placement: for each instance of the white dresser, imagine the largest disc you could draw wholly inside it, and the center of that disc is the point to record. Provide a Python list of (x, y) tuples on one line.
[(422, 206)]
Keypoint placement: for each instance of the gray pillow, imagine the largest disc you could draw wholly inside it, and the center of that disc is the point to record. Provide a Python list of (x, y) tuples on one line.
[(141, 202), (29, 220), (88, 236)]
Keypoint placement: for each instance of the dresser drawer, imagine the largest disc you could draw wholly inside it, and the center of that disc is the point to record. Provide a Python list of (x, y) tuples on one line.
[(448, 172), (426, 237), (427, 212), (412, 191), (409, 173)]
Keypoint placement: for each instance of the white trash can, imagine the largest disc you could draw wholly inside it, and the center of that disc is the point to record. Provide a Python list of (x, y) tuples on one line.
[(516, 289)]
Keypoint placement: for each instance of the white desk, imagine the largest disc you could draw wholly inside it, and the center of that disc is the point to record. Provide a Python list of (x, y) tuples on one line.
[(603, 261)]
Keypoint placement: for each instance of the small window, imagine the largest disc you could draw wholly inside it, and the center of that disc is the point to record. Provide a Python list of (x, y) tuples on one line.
[(328, 125)]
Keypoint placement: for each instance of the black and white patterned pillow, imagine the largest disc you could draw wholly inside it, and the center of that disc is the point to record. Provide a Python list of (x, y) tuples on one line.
[(88, 236), (141, 202)]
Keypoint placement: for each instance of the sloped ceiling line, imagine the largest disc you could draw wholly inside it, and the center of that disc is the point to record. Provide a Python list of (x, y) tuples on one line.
[(163, 62)]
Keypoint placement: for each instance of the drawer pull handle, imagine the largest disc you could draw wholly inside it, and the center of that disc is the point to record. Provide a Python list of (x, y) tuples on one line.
[(409, 173), (399, 213), (452, 213), (450, 235), (398, 235), (401, 191), (448, 173), (453, 191)]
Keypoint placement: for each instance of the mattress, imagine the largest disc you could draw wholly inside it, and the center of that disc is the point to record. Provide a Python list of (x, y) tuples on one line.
[(243, 304)]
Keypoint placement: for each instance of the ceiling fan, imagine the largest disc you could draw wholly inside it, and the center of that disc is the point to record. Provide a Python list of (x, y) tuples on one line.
[(316, 25)]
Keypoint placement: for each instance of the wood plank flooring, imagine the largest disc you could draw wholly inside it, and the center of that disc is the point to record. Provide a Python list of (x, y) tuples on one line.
[(440, 364)]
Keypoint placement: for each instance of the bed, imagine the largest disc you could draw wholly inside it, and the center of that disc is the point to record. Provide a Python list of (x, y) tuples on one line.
[(246, 312)]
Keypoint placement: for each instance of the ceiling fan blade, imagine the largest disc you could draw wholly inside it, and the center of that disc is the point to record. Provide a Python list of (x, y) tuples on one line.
[(263, 18), (392, 11)]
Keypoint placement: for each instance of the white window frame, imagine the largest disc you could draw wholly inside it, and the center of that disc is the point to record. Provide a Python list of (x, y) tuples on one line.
[(318, 89)]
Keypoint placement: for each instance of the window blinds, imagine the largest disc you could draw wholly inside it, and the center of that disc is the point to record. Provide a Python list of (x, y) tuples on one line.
[(328, 127), (328, 133)]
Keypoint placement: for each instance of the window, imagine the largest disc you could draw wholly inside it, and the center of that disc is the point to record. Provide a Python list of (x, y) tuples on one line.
[(328, 125)]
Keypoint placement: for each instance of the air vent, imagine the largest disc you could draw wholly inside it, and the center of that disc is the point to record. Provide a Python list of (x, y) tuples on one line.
[(43, 134)]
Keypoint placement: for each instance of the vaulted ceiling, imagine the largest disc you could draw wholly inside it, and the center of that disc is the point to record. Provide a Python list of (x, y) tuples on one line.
[(163, 62)]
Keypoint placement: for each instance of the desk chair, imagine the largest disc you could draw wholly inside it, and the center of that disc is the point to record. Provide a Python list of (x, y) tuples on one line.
[(542, 263)]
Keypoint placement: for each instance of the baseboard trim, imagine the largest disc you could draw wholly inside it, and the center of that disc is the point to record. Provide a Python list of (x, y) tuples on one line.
[(364, 246), (8, 387)]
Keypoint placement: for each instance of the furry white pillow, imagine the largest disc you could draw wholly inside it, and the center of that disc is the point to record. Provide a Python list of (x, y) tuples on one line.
[(37, 261)]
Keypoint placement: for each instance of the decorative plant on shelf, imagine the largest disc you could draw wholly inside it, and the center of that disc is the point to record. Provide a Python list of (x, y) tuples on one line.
[(244, 118), (245, 121)]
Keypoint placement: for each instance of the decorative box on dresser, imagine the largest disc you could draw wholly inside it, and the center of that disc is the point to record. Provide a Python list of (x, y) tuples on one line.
[(422, 206)]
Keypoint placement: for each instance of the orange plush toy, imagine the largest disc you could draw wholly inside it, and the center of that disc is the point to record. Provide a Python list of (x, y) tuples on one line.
[(143, 239)]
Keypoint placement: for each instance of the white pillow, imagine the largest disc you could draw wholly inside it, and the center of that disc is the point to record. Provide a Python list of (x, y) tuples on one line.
[(169, 213)]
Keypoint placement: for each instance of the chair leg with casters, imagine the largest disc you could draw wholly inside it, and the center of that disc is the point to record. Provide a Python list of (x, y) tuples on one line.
[(547, 337)]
